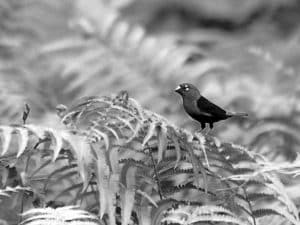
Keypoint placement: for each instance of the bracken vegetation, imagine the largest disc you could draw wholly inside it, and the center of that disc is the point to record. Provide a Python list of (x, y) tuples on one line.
[(92, 133)]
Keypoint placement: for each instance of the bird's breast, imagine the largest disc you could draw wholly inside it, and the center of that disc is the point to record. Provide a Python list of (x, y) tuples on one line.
[(191, 107)]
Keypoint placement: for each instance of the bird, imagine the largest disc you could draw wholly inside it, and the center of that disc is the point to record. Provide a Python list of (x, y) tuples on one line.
[(201, 109)]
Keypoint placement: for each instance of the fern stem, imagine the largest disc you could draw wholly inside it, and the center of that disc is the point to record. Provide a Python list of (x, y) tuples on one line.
[(40, 141), (197, 167), (23, 195), (250, 206), (156, 175), (85, 189)]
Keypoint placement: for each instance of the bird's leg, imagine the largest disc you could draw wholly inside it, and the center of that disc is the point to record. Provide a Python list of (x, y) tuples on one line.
[(203, 126), (206, 130), (211, 126)]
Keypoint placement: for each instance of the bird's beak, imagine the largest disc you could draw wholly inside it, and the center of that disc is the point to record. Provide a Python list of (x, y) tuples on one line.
[(177, 89)]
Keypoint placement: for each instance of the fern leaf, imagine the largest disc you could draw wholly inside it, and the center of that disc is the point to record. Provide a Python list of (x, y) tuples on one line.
[(191, 215), (83, 153), (102, 136), (132, 162), (128, 124), (6, 137), (150, 133), (138, 107), (69, 189), (162, 141), (114, 160), (8, 190), (23, 140), (128, 196), (137, 129), (157, 214), (58, 142), (177, 148), (149, 198), (198, 168), (201, 140), (43, 165), (68, 214), (36, 130), (102, 174), (275, 210), (60, 171), (173, 189), (263, 212), (258, 196), (115, 134), (209, 218), (112, 200), (278, 187)]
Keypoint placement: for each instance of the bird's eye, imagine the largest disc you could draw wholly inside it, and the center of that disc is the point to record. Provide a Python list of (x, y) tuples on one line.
[(186, 88)]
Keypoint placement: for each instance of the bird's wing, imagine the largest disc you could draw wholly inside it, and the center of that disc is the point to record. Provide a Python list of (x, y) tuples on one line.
[(209, 109)]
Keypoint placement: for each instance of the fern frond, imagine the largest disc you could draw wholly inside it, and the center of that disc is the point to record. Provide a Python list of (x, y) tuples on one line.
[(258, 213), (157, 214), (9, 190), (68, 214), (190, 215), (260, 196), (181, 188), (128, 157), (28, 133), (128, 195), (264, 212)]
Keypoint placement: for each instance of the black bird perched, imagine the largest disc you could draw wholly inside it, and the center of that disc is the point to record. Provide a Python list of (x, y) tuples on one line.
[(201, 109)]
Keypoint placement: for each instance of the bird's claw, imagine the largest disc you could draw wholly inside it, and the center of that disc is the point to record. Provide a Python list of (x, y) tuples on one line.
[(207, 131), (204, 131)]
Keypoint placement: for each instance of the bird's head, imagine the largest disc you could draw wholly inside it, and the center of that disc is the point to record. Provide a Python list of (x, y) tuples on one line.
[(187, 90)]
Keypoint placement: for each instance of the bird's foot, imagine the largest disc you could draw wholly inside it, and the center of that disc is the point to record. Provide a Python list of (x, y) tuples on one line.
[(207, 131), (203, 131), (199, 131)]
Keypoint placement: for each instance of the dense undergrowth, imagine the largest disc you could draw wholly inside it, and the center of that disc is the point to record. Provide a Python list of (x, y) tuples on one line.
[(120, 156)]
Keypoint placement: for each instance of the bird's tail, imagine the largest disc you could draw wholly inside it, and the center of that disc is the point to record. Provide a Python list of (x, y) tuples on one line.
[(241, 114)]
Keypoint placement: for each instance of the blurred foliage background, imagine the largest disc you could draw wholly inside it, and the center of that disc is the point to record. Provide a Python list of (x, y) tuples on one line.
[(242, 54)]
